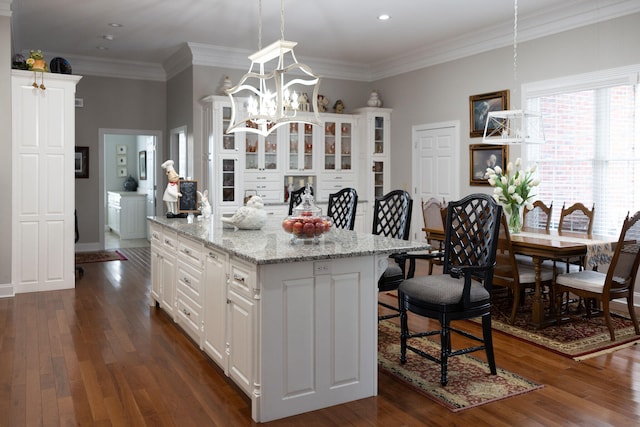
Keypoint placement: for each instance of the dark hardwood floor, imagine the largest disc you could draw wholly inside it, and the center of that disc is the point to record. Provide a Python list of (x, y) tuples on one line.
[(99, 355)]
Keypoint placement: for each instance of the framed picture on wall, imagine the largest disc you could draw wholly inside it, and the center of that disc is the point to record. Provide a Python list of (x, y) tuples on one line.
[(481, 105), (121, 149), (142, 167), (82, 162), (483, 156), (121, 160), (121, 171)]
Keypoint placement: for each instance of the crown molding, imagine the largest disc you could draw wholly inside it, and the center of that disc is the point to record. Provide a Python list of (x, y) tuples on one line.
[(101, 67), (567, 15)]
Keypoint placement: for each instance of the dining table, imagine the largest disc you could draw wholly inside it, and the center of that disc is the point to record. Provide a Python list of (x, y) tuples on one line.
[(542, 245)]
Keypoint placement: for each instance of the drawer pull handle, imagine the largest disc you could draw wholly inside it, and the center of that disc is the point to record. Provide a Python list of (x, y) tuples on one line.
[(168, 242), (212, 255), (238, 278), (187, 251), (186, 280), (186, 312)]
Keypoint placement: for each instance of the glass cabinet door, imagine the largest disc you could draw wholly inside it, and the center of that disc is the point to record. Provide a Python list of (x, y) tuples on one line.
[(337, 146), (300, 144), (251, 150), (228, 139), (378, 178), (270, 145), (229, 185), (378, 135)]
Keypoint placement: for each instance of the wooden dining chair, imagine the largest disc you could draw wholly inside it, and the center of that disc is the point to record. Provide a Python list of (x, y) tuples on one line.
[(392, 218), (617, 282), (539, 216), (295, 198), (513, 275), (342, 208), (463, 291), (433, 225), (577, 218)]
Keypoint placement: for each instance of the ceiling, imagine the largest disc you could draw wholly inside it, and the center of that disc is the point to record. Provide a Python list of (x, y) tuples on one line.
[(339, 33)]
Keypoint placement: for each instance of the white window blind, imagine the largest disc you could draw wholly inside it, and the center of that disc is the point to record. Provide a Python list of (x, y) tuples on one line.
[(592, 149)]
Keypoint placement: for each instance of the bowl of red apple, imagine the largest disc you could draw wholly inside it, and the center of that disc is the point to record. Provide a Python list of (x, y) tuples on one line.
[(306, 226)]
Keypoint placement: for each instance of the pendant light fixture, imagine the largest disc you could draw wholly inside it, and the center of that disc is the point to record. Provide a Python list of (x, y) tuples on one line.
[(513, 126), (276, 88)]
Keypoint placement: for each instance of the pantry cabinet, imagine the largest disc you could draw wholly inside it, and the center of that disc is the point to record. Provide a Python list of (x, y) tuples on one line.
[(43, 182)]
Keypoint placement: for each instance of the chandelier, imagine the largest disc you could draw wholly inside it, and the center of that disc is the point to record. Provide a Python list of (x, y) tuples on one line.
[(275, 89), (513, 126)]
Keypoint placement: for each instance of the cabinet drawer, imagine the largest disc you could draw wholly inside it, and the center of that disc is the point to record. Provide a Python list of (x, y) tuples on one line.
[(271, 196), (189, 316), (242, 277), (170, 240), (189, 281), (252, 178), (191, 251)]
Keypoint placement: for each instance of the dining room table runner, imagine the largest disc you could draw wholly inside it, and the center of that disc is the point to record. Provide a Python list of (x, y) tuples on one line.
[(599, 252)]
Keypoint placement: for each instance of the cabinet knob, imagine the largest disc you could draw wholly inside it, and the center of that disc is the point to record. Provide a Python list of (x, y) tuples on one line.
[(212, 255), (186, 280), (186, 312), (238, 278)]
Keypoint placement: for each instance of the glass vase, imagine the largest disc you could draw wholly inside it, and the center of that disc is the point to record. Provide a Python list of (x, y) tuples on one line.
[(514, 218)]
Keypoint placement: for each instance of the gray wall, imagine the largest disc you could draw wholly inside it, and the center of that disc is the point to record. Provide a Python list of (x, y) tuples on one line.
[(113, 104), (441, 93)]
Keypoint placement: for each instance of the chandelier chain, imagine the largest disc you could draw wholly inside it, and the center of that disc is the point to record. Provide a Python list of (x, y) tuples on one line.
[(281, 19), (515, 40), (259, 24)]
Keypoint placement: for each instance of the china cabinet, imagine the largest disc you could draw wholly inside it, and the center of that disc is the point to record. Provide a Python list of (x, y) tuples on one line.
[(43, 196), (339, 143), (375, 148), (223, 158), (300, 144)]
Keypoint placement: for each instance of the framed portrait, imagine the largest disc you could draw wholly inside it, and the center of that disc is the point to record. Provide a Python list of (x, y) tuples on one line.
[(483, 156), (142, 165), (82, 162), (481, 105), (121, 149)]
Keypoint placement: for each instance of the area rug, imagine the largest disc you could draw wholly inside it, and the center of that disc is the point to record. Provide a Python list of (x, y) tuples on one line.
[(470, 383), (99, 256), (579, 338)]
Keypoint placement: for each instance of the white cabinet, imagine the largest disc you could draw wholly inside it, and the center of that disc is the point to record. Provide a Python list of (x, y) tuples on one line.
[(215, 306), (43, 182), (126, 214), (376, 135), (164, 244), (261, 152), (300, 142), (189, 288), (223, 154), (266, 184)]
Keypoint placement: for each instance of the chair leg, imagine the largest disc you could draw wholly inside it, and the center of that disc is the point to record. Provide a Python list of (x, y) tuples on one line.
[(445, 349), (607, 317), (430, 267), (516, 302), (488, 342), (404, 331)]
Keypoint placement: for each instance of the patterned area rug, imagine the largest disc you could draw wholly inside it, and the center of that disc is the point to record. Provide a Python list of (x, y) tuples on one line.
[(579, 338), (470, 383), (99, 256)]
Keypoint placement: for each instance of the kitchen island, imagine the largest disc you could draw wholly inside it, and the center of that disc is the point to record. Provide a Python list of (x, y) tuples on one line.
[(293, 325)]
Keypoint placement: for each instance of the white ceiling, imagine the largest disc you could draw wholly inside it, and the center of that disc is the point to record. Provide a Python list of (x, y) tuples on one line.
[(339, 34)]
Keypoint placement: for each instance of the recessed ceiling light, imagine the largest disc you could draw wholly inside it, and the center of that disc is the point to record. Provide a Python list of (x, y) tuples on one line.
[(107, 37), (115, 25), (102, 48), (383, 17)]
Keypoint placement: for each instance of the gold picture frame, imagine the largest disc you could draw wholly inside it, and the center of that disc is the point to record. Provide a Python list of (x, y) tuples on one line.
[(482, 156), (481, 105)]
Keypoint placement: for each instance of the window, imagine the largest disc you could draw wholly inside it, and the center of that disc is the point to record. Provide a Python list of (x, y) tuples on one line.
[(592, 149)]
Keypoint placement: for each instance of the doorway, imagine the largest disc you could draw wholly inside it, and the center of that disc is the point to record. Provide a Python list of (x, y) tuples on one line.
[(436, 167), (127, 154)]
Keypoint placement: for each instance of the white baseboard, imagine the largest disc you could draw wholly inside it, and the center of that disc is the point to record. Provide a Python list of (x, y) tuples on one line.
[(6, 290)]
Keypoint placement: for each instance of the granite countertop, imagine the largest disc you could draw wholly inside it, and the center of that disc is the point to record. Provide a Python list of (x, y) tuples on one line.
[(272, 245)]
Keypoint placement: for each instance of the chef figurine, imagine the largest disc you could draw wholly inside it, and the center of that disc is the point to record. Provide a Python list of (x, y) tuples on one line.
[(172, 192)]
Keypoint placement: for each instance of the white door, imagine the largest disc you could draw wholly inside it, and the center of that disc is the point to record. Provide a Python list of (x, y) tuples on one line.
[(436, 167)]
